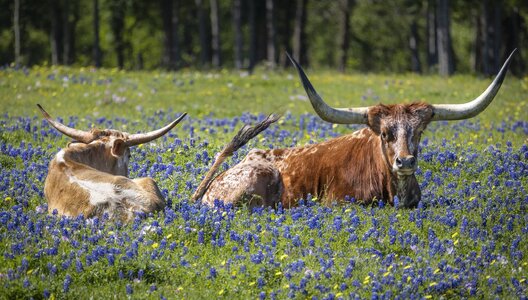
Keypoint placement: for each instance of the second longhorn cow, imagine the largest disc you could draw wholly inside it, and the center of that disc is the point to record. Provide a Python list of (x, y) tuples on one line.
[(376, 162), (90, 175)]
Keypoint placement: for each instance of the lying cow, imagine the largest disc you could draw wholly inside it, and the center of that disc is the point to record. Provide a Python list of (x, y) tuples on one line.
[(376, 162), (90, 175)]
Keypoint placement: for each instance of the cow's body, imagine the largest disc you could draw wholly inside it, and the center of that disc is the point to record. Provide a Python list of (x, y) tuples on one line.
[(90, 176), (80, 182), (351, 166)]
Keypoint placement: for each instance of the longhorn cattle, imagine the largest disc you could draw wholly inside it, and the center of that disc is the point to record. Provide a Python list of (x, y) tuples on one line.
[(376, 162), (90, 175)]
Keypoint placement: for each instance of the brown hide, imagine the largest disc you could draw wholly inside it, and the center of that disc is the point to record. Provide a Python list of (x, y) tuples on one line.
[(360, 164), (345, 166), (66, 198)]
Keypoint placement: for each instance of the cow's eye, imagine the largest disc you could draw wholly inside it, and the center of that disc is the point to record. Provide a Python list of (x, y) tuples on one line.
[(387, 136)]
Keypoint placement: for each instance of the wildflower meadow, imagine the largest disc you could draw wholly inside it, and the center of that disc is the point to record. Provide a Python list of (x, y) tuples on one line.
[(466, 239)]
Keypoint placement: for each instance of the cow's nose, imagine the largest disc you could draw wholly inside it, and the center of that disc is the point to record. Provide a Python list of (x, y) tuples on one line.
[(407, 162)]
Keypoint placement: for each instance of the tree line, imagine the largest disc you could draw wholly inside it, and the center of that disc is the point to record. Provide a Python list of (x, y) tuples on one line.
[(423, 36)]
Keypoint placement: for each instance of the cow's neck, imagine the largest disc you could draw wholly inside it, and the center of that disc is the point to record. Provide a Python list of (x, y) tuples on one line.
[(407, 189)]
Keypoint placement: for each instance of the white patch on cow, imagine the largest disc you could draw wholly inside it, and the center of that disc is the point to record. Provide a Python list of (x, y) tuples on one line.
[(314, 150), (60, 156), (401, 142), (402, 183), (103, 192), (410, 141), (233, 179)]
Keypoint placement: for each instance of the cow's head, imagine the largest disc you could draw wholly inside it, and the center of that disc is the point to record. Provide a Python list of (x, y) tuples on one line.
[(399, 127), (106, 150)]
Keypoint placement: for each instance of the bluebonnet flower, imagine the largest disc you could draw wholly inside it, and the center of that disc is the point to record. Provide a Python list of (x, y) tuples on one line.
[(26, 283), (262, 295), (78, 266), (212, 273), (66, 284), (261, 282), (201, 237), (296, 241)]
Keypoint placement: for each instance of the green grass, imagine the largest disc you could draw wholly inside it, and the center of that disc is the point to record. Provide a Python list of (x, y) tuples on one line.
[(229, 93)]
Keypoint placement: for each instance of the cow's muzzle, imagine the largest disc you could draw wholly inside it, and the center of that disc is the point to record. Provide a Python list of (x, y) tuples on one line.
[(404, 165)]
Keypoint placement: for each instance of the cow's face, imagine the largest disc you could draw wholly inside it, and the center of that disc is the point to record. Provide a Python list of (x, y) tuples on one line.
[(400, 128), (108, 153)]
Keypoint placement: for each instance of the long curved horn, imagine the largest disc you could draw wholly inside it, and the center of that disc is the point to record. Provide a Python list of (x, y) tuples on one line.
[(355, 115), (76, 134), (141, 138), (476, 106)]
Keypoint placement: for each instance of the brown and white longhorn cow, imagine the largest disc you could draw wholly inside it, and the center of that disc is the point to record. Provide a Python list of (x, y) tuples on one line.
[(90, 175), (376, 162)]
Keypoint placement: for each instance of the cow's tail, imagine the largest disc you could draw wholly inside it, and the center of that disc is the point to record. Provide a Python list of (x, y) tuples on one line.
[(241, 138)]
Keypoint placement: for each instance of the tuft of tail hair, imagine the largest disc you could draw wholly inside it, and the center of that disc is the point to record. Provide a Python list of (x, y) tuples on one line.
[(243, 136)]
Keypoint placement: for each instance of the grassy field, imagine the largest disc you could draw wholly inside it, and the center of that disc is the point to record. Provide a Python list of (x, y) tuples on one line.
[(466, 239)]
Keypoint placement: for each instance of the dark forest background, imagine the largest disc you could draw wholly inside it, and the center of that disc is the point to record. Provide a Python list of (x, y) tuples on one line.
[(424, 36)]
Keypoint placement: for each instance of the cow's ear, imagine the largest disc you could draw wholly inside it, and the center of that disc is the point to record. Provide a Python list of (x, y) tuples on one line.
[(424, 111), (375, 115), (118, 147)]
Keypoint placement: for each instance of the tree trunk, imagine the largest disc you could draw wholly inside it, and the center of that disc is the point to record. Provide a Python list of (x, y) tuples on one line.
[(445, 52), (285, 31), (66, 33), (215, 34), (70, 19), (299, 38), (202, 30), (166, 17), (432, 53), (175, 21), (187, 46), (96, 48), (270, 28), (117, 24), (491, 36), (478, 53), (485, 38), (416, 65), (344, 39), (237, 28), (54, 34), (252, 36), (170, 37), (512, 32), (16, 29), (497, 36)]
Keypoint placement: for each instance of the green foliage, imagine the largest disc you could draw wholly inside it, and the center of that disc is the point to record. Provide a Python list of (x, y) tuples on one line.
[(379, 32)]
